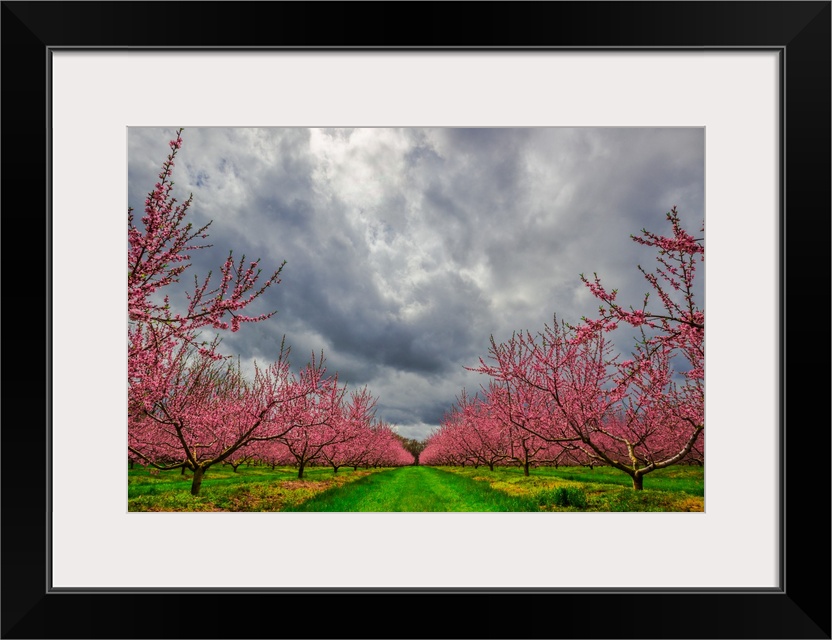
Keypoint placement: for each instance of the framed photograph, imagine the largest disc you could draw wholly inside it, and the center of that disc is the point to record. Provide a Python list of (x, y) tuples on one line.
[(86, 81)]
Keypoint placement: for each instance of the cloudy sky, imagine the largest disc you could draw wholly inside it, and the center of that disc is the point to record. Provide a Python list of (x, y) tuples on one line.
[(407, 248)]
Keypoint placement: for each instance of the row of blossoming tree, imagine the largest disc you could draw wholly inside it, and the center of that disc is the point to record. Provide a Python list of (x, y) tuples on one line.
[(566, 395), (190, 406)]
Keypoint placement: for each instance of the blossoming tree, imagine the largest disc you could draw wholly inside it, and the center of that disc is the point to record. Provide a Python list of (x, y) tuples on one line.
[(167, 359), (209, 412), (637, 414)]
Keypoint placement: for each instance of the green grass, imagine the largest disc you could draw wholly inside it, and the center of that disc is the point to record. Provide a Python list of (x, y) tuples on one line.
[(678, 488), (418, 489), (250, 489), (687, 478), (415, 489)]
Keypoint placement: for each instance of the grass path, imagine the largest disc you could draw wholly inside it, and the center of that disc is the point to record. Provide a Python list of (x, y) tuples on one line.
[(418, 489)]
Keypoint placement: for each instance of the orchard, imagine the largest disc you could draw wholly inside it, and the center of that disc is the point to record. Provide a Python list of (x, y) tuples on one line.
[(189, 406), (558, 399), (565, 395)]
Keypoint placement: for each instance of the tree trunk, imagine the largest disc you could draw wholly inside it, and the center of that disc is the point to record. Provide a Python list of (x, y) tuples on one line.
[(300, 472), (182, 473), (491, 466), (199, 472), (638, 483), (334, 469), (526, 469), (131, 464), (355, 468)]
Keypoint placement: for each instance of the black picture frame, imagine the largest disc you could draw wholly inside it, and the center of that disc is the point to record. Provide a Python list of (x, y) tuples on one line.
[(799, 31)]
